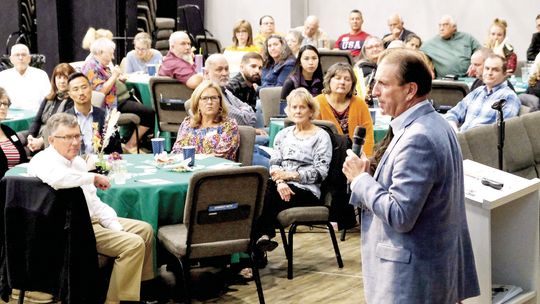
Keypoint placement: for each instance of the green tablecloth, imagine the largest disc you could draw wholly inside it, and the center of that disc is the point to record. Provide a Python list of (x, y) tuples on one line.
[(379, 130), (155, 204), (140, 82), (19, 119)]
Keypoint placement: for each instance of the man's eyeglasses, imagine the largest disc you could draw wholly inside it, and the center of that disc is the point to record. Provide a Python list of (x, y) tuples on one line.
[(5, 104), (214, 98), (70, 138)]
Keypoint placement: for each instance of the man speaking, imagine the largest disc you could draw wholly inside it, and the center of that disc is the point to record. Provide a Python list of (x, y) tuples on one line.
[(415, 241)]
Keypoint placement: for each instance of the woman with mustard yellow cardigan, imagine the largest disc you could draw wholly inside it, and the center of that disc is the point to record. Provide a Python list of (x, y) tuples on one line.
[(339, 105)]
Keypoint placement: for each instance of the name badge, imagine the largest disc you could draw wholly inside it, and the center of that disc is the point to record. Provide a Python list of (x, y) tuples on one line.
[(14, 138)]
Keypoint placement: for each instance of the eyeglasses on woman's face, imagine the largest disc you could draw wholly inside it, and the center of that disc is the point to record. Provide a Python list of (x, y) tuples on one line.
[(211, 98)]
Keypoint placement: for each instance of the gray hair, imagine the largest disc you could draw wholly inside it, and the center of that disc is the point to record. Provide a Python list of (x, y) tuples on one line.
[(100, 45), (61, 119), (177, 36)]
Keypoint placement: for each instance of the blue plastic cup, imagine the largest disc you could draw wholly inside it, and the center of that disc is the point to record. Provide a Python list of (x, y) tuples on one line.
[(151, 69), (158, 145), (189, 152)]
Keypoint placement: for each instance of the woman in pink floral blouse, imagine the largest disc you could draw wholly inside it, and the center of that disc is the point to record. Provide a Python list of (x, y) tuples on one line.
[(209, 129)]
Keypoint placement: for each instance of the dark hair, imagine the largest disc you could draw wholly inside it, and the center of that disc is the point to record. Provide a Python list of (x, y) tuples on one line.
[(264, 16), (412, 36), (412, 67), (297, 70), (77, 75), (355, 11), (333, 70), (537, 17), (251, 55), (504, 61), (285, 51), (64, 69)]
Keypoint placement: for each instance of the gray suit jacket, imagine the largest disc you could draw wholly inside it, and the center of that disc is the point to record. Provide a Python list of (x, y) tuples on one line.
[(415, 241)]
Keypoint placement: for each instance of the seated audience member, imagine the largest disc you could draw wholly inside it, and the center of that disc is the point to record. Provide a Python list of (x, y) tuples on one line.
[(178, 63), (298, 166), (307, 73), (92, 35), (397, 31), (534, 46), (497, 43), (56, 102), (354, 39), (244, 84), (26, 86), (128, 241), (11, 149), (294, 41), (210, 130), (476, 69), (372, 48), (313, 34), (451, 50), (534, 82), (267, 28), (278, 61), (103, 80), (475, 109), (413, 41), (142, 55), (217, 70), (339, 105), (91, 119), (242, 44)]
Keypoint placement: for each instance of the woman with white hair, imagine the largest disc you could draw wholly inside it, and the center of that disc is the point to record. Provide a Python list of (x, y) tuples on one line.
[(106, 80)]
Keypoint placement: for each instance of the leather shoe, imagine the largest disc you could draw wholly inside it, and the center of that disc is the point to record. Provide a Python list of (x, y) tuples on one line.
[(265, 244)]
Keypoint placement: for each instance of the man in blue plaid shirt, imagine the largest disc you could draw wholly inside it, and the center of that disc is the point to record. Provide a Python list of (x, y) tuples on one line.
[(475, 109)]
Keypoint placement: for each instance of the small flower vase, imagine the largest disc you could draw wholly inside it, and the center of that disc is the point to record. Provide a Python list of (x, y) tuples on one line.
[(102, 166)]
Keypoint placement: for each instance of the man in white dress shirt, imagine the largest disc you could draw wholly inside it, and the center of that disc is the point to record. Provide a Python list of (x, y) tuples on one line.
[(26, 86), (129, 241)]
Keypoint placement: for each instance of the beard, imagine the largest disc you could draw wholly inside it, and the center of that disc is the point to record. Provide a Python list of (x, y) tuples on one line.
[(188, 58), (254, 78)]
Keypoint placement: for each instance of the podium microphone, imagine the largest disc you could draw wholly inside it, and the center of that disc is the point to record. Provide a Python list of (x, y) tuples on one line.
[(359, 139)]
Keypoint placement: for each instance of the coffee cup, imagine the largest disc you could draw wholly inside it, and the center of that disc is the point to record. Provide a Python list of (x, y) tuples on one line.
[(158, 145), (189, 153)]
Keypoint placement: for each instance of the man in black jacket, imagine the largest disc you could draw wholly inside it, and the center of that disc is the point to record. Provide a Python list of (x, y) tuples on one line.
[(534, 47)]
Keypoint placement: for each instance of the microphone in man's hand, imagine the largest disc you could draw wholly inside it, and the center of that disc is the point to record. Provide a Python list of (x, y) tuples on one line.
[(498, 105), (359, 138)]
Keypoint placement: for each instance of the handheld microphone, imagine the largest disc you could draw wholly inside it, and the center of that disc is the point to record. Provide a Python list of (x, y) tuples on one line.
[(498, 105), (359, 139)]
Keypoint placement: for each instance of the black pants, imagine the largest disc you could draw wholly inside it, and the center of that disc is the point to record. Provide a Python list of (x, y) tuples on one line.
[(146, 114), (273, 205)]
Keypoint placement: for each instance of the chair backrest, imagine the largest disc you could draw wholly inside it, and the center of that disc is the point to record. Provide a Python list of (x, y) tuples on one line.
[(318, 122), (224, 200), (97, 99), (270, 98), (209, 45), (447, 92), (169, 97), (329, 57), (247, 143)]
